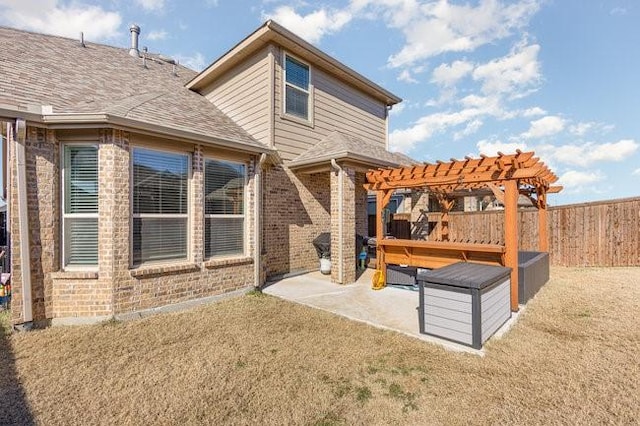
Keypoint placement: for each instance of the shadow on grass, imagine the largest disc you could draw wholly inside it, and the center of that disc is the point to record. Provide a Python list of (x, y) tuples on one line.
[(14, 408)]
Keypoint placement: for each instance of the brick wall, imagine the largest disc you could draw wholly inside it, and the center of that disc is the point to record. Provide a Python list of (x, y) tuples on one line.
[(114, 288), (296, 210)]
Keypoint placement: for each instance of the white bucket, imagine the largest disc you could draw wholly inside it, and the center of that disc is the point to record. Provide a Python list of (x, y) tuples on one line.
[(325, 266)]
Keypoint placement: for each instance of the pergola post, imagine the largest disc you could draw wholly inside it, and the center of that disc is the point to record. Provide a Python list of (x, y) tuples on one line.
[(511, 236), (543, 234), (382, 199)]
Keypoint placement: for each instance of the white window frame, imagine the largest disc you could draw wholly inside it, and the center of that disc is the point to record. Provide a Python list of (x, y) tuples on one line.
[(309, 91), (157, 215), (63, 206), (245, 193)]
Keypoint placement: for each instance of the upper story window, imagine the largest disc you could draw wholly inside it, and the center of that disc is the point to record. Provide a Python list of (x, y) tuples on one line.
[(296, 88), (80, 205), (224, 208), (160, 206)]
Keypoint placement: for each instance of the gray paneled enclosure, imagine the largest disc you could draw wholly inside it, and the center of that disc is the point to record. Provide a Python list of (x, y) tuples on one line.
[(533, 273), (464, 302)]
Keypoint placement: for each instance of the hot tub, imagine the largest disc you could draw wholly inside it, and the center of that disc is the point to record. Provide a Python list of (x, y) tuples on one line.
[(533, 273)]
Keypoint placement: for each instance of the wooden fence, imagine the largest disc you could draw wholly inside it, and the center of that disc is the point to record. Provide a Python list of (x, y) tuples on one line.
[(604, 233)]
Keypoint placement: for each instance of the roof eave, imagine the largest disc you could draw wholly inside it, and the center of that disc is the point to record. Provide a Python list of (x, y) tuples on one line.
[(71, 120), (344, 155), (272, 31)]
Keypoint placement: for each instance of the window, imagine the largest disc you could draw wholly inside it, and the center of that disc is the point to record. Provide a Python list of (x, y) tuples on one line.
[(80, 205), (296, 88), (224, 204), (160, 206)]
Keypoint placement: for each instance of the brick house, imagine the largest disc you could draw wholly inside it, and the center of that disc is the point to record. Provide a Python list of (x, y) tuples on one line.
[(135, 183)]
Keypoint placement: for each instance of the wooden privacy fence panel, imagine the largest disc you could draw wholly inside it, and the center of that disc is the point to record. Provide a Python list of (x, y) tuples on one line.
[(604, 233)]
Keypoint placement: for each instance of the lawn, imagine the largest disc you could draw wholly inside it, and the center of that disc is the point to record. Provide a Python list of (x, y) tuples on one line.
[(572, 358)]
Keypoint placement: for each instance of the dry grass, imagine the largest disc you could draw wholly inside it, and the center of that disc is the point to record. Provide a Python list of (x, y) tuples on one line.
[(572, 359)]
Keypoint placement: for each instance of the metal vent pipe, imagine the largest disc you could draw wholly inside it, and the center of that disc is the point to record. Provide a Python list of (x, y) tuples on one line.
[(135, 32)]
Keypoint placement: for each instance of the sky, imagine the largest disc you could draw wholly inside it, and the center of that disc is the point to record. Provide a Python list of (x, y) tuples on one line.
[(559, 77)]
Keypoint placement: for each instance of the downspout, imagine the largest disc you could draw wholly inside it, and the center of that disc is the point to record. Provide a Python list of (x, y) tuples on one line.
[(257, 228), (337, 168), (23, 221)]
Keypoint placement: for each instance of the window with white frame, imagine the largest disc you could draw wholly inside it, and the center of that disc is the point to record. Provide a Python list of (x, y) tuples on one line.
[(80, 205), (160, 206), (224, 208), (296, 88)]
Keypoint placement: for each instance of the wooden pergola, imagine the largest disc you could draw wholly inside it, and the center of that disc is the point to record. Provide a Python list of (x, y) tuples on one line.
[(507, 176)]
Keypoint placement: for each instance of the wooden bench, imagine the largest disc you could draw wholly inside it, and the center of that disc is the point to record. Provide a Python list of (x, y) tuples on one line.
[(432, 254)]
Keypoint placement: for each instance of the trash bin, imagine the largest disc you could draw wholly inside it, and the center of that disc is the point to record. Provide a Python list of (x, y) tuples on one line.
[(322, 244)]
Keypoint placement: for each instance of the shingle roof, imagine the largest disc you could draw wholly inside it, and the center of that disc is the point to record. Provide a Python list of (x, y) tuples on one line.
[(338, 145), (39, 70)]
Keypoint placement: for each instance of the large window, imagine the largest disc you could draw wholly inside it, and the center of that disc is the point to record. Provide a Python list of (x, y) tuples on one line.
[(296, 88), (224, 206), (80, 205), (160, 206)]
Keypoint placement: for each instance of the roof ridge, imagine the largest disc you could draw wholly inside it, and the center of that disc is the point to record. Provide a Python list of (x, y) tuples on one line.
[(21, 30)]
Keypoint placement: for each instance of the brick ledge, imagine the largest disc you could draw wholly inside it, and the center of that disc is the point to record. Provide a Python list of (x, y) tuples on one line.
[(221, 263), (146, 271), (74, 275)]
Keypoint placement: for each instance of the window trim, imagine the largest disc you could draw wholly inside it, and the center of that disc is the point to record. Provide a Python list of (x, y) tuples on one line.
[(63, 206), (309, 91), (245, 202), (188, 215)]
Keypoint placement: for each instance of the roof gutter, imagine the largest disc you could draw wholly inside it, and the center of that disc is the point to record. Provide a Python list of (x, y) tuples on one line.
[(74, 120), (18, 136), (257, 232)]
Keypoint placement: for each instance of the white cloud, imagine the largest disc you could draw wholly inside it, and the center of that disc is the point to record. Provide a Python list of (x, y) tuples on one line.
[(405, 75), (577, 180), (158, 35), (533, 112), (511, 73), (618, 11), (589, 153), (405, 139), (151, 5), (398, 108), (636, 172), (449, 74), (195, 62), (437, 27), (491, 148), (55, 17), (545, 126), (313, 26), (582, 128), (211, 3), (471, 128)]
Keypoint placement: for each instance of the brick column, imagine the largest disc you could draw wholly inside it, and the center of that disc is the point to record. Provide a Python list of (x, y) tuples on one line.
[(343, 206), (197, 206), (121, 218), (42, 179)]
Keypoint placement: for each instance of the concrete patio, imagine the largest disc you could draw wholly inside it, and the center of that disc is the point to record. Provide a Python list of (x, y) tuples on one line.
[(391, 308)]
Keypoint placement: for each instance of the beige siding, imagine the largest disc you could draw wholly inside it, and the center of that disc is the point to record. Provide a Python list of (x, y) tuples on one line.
[(336, 106), (243, 94)]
